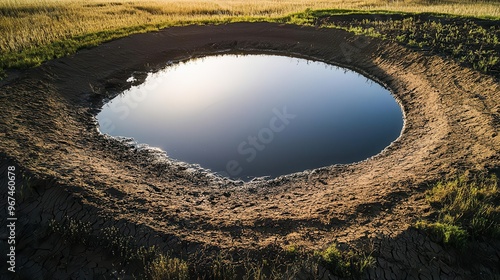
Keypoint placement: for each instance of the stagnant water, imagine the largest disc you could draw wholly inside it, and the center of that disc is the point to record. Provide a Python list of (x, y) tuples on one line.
[(246, 116)]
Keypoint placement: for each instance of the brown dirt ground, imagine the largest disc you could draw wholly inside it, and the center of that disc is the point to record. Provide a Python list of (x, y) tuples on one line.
[(452, 118)]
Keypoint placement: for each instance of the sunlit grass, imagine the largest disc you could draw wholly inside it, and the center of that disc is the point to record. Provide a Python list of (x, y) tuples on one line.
[(471, 203), (462, 39), (465, 208), (346, 264), (167, 268), (34, 31)]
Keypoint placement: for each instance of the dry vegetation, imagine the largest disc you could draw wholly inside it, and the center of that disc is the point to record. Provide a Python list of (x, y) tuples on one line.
[(150, 263), (35, 31)]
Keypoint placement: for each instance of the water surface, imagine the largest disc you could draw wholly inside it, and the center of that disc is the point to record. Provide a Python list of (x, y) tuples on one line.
[(246, 116)]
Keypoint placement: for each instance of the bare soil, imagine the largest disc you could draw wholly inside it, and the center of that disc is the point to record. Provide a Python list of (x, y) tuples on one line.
[(48, 128)]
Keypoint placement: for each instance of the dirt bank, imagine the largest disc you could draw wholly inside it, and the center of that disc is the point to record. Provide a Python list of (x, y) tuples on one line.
[(47, 126)]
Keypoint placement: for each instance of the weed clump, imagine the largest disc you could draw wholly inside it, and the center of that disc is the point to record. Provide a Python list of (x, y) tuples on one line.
[(163, 267), (466, 208), (142, 261), (345, 264), (444, 233)]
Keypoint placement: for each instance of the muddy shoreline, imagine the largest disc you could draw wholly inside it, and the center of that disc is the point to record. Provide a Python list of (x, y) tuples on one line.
[(452, 119)]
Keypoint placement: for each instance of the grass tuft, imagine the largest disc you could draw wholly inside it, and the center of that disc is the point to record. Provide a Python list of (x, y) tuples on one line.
[(163, 268), (467, 207), (332, 258), (445, 233), (346, 264)]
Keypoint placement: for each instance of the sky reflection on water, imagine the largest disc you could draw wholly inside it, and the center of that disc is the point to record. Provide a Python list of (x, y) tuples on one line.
[(247, 116)]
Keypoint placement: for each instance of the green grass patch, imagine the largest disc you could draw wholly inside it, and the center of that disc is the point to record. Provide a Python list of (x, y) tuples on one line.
[(163, 268), (470, 41), (311, 17), (466, 207), (447, 234), (35, 56), (333, 259), (350, 263)]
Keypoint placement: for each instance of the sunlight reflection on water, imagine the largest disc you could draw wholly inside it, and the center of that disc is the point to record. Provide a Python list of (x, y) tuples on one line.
[(247, 116)]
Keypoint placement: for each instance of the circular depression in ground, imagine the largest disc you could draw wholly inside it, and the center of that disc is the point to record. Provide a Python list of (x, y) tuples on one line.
[(247, 116), (451, 123)]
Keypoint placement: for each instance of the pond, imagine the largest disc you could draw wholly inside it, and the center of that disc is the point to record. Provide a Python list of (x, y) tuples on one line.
[(247, 116)]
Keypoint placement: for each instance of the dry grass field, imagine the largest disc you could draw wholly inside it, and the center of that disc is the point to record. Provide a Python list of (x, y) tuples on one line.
[(35, 31)]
